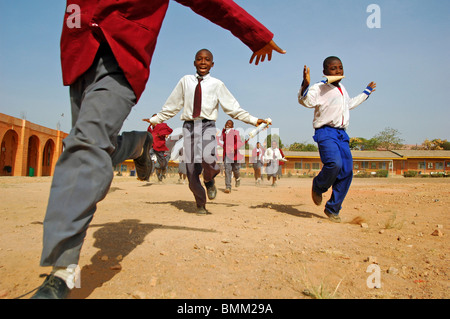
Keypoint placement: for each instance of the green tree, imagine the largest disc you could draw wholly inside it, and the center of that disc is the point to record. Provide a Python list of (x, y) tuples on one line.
[(275, 137), (363, 144), (302, 147), (389, 139), (436, 144), (446, 145)]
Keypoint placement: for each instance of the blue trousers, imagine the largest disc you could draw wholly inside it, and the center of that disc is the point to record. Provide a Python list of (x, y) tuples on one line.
[(337, 170)]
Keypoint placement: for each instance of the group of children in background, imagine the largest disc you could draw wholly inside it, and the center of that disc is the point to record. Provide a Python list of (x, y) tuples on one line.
[(331, 104)]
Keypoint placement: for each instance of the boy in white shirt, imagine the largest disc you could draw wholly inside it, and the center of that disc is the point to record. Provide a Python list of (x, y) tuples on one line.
[(272, 156), (199, 128), (331, 104)]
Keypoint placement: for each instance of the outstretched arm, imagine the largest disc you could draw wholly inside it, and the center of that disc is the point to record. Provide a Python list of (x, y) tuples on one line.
[(261, 54)]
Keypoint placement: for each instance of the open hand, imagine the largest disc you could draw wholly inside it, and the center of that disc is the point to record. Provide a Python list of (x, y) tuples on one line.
[(261, 54), (306, 76)]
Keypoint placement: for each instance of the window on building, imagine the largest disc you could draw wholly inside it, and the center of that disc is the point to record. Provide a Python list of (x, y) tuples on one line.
[(422, 165), (383, 165), (298, 165), (315, 166), (430, 165), (307, 166), (439, 165), (373, 165), (364, 164)]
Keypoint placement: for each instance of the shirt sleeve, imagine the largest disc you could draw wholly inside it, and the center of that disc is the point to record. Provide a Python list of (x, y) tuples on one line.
[(357, 100), (173, 105), (231, 106), (308, 98), (230, 16)]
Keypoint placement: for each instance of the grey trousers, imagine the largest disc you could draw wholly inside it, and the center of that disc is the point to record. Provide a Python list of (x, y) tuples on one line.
[(231, 167), (101, 99), (200, 156), (162, 162)]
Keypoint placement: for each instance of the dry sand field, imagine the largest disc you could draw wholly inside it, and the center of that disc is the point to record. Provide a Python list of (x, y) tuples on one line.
[(258, 242)]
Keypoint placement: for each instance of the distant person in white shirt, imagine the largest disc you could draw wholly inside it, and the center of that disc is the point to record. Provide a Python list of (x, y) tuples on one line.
[(257, 160), (199, 129), (272, 156), (331, 104)]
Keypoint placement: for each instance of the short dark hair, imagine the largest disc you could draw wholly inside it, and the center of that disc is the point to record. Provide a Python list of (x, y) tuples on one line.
[(328, 60), (206, 51)]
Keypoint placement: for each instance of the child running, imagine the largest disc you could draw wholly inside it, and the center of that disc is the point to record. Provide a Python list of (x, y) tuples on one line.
[(199, 96), (331, 104)]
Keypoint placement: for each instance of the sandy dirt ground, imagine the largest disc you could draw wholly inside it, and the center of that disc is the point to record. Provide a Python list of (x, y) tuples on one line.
[(257, 242)]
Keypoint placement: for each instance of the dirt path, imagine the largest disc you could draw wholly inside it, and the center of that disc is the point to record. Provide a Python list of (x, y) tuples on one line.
[(146, 241)]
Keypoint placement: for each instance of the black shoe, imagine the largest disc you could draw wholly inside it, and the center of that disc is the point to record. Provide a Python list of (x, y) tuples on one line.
[(143, 163), (317, 198), (211, 189), (52, 288)]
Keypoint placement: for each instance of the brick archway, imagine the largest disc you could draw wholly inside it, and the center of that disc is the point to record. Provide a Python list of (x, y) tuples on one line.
[(47, 158), (8, 153), (33, 155)]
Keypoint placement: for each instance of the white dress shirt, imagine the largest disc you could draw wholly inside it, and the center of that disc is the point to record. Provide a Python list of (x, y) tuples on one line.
[(331, 106), (272, 154), (214, 92)]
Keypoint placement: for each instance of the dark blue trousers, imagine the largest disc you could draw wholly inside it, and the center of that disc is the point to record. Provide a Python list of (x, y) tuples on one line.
[(337, 170)]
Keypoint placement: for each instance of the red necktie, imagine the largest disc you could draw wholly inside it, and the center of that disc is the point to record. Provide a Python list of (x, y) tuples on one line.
[(197, 99)]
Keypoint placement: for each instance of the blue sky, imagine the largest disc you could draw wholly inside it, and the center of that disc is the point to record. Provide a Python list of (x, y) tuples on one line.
[(408, 58)]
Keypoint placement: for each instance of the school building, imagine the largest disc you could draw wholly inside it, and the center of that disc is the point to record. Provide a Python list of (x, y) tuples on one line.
[(28, 149), (396, 163)]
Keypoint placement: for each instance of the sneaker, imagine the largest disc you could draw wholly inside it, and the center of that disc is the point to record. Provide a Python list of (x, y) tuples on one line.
[(143, 163), (227, 190), (211, 190), (317, 198), (332, 217), (52, 288), (201, 210), (238, 182)]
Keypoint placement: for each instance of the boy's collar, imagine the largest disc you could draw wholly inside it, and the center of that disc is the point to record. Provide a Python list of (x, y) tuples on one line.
[(204, 77), (332, 85)]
